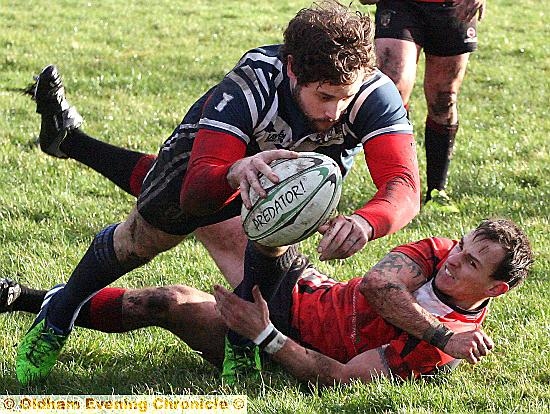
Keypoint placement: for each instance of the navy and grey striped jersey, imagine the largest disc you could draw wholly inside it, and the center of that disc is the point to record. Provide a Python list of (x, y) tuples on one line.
[(254, 103)]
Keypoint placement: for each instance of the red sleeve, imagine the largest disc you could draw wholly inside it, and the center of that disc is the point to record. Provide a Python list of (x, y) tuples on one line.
[(408, 357), (427, 253), (205, 188), (393, 166)]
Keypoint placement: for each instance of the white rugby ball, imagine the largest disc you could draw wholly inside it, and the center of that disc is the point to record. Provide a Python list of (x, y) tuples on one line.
[(308, 192)]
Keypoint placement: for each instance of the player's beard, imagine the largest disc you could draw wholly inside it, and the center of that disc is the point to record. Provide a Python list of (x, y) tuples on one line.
[(317, 124)]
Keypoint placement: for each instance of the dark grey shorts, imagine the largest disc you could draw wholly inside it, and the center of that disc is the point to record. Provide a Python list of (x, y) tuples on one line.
[(159, 200), (432, 26)]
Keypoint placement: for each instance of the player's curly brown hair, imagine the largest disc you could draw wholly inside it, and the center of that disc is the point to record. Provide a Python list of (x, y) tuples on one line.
[(518, 255), (329, 43)]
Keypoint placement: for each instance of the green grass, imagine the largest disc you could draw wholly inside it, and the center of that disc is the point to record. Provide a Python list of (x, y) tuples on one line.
[(133, 68)]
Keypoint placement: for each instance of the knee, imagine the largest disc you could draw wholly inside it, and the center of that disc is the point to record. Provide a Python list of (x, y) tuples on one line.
[(166, 305), (270, 251), (136, 240), (144, 248), (131, 247), (443, 107), (152, 306), (161, 300)]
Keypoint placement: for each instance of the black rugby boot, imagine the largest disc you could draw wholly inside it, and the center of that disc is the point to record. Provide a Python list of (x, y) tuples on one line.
[(9, 292), (58, 116)]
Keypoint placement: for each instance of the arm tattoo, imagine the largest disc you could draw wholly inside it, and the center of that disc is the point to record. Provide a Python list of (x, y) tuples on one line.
[(396, 263), (314, 367)]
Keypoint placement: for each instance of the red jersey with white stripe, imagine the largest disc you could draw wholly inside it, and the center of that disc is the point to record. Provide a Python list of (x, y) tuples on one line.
[(335, 319)]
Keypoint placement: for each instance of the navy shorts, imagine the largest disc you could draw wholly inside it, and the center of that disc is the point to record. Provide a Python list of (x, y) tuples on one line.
[(159, 200), (433, 26), (280, 304)]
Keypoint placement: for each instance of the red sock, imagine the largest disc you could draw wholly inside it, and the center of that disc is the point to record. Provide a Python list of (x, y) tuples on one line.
[(139, 172), (105, 310)]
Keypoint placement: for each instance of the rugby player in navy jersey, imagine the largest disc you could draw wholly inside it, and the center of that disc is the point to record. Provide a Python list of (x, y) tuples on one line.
[(318, 91), (447, 32), (325, 331)]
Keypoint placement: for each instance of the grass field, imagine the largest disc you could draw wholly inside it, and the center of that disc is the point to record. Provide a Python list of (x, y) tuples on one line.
[(133, 68)]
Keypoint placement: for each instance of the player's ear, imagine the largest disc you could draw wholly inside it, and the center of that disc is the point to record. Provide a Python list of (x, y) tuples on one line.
[(498, 288), (289, 71)]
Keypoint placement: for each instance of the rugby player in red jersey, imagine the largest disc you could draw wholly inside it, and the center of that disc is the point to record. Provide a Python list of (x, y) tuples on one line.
[(417, 312)]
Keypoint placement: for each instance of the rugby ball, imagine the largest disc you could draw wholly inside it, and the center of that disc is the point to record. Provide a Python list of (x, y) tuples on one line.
[(307, 194)]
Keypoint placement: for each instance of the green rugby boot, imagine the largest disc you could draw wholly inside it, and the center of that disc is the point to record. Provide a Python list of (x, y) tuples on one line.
[(38, 350), (240, 362), (440, 201)]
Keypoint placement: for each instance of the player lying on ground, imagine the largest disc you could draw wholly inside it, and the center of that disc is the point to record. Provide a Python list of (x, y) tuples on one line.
[(319, 91), (326, 331)]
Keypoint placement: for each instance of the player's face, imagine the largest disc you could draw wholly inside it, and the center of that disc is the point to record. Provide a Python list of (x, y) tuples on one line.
[(323, 103), (466, 274)]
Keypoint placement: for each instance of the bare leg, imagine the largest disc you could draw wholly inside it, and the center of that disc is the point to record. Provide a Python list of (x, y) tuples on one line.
[(136, 239), (188, 313), (226, 243), (115, 251), (126, 169), (442, 81), (398, 59)]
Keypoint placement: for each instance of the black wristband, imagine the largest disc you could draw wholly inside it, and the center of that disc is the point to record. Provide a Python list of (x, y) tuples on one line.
[(438, 336), (269, 338)]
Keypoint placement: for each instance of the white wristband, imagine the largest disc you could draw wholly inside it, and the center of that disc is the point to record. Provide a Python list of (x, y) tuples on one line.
[(264, 334), (276, 344)]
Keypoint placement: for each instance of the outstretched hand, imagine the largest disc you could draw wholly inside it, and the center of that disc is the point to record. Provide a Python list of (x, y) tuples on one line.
[(466, 10), (248, 319), (343, 236), (243, 173), (470, 345)]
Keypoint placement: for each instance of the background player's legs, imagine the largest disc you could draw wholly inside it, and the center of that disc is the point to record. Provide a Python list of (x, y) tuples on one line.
[(442, 81), (397, 59)]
